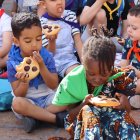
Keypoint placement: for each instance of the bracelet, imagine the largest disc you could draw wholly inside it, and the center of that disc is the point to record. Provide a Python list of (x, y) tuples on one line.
[(25, 83)]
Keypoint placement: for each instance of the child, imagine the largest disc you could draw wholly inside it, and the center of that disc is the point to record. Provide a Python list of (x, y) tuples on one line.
[(68, 37), (104, 12), (19, 7), (31, 97), (130, 52), (97, 76), (5, 34)]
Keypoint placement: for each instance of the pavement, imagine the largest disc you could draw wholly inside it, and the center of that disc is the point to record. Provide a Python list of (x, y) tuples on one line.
[(11, 128)]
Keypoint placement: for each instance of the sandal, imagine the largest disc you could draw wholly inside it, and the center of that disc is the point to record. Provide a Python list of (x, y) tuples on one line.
[(134, 101)]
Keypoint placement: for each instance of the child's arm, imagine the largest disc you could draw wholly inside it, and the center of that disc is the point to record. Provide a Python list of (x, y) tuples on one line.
[(51, 79), (78, 44), (124, 62), (74, 109), (124, 29), (6, 45), (20, 86), (90, 12), (14, 9)]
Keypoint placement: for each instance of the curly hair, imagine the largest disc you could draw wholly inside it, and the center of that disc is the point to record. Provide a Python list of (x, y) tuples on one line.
[(23, 20), (99, 47)]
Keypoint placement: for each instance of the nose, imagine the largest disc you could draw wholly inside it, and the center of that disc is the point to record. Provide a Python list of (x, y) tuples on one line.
[(97, 79), (129, 29), (59, 1), (34, 43)]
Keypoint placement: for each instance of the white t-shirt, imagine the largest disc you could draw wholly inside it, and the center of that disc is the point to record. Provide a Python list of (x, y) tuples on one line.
[(5, 25), (136, 2), (30, 2), (23, 8)]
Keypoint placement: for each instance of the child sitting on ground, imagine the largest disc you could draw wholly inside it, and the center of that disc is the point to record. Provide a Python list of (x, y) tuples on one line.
[(131, 49), (97, 76), (107, 12), (5, 34), (68, 37), (31, 97)]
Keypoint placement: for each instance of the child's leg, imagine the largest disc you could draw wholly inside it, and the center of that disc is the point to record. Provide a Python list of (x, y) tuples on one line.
[(71, 68), (56, 109), (26, 108), (99, 19)]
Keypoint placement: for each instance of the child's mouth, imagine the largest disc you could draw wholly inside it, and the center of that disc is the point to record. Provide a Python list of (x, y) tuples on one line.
[(60, 10)]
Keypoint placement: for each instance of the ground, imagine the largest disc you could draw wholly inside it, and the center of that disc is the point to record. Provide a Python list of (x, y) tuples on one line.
[(11, 128)]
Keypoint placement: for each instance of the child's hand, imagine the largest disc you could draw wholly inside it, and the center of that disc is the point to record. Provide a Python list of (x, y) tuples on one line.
[(51, 38), (123, 101), (136, 70), (22, 77), (88, 100), (38, 57)]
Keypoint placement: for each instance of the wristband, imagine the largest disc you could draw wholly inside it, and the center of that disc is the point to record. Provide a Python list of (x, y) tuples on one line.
[(25, 83)]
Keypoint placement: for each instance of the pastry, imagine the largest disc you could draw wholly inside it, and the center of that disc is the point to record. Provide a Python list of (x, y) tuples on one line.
[(51, 30), (103, 100), (30, 66), (119, 39)]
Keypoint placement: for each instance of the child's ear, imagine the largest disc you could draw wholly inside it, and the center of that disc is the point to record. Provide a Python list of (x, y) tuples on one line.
[(16, 41), (42, 4)]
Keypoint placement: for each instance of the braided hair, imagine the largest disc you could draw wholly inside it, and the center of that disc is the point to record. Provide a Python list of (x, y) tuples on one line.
[(99, 47)]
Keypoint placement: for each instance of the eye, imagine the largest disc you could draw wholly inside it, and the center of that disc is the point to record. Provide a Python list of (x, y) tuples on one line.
[(38, 39), (91, 74), (104, 75), (134, 28), (27, 41)]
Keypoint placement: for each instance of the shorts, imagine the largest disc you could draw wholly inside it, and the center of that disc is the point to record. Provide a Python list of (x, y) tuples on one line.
[(63, 63), (43, 102), (85, 36)]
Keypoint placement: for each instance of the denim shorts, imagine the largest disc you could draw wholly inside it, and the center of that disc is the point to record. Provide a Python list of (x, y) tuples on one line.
[(43, 102)]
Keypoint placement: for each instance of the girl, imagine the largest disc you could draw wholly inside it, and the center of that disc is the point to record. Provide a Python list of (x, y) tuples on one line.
[(96, 76)]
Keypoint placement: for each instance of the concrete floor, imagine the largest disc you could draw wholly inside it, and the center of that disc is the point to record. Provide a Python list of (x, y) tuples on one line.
[(11, 128)]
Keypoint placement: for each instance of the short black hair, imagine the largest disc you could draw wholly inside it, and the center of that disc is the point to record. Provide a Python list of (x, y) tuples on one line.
[(1, 2), (23, 20), (135, 11), (101, 48)]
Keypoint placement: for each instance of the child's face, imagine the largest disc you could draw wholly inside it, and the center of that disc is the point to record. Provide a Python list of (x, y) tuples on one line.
[(30, 40), (92, 73), (54, 8), (133, 27)]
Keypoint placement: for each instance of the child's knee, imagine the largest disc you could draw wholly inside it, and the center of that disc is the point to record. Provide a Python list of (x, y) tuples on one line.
[(100, 16), (17, 104)]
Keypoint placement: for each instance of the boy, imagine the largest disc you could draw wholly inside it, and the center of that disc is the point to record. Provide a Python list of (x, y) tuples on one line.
[(5, 34), (31, 97), (68, 37), (105, 12), (130, 52)]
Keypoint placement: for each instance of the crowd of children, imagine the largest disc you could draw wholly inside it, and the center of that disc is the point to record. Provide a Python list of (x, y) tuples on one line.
[(44, 98)]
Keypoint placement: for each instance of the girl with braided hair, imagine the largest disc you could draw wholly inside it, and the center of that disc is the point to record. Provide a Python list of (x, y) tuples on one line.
[(97, 76)]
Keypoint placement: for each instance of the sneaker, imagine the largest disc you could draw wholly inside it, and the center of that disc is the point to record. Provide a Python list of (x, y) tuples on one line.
[(134, 101), (30, 124), (60, 118)]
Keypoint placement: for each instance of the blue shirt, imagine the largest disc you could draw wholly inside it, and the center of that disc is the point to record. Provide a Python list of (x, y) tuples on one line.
[(16, 58), (133, 59)]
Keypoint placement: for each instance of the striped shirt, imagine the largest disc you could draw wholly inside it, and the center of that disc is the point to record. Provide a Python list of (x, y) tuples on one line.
[(67, 15)]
